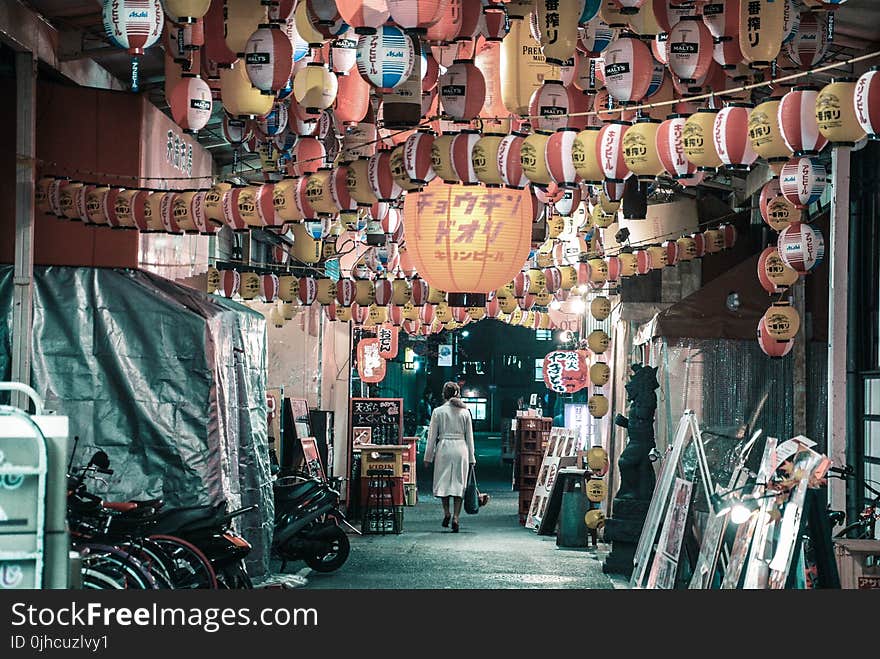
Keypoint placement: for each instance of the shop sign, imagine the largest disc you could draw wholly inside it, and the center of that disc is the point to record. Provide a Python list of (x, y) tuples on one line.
[(371, 366), (386, 335), (566, 371), (178, 153)]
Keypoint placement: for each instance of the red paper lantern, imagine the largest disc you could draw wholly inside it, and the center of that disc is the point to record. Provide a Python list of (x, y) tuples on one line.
[(371, 366), (810, 45), (797, 121), (777, 211), (803, 180), (417, 157), (380, 178), (609, 151), (364, 15), (558, 156), (461, 149), (308, 290), (417, 16), (801, 247), (769, 345), (191, 103), (731, 137), (133, 24), (462, 90), (509, 162), (549, 106), (352, 98), (268, 59), (230, 282), (306, 157), (420, 291), (690, 49), (566, 371), (722, 17), (629, 68), (867, 102)]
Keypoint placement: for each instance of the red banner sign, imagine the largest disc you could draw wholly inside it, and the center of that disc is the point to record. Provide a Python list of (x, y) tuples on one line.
[(566, 371)]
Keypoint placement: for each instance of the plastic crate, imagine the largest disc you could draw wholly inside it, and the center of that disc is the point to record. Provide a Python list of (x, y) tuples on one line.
[(858, 562), (383, 521), (382, 491)]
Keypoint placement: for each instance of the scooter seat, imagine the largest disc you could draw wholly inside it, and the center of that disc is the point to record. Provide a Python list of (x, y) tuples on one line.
[(179, 520), (292, 493)]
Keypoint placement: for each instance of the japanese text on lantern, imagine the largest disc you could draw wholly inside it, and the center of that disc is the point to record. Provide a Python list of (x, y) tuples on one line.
[(753, 25), (469, 230), (551, 21), (566, 371)]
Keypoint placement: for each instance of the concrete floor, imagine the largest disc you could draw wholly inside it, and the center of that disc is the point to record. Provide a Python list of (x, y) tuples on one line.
[(491, 551)]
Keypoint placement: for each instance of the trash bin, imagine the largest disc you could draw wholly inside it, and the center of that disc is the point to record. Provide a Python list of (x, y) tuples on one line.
[(572, 528)]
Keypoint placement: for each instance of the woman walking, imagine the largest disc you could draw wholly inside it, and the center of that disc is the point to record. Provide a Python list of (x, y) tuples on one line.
[(451, 449)]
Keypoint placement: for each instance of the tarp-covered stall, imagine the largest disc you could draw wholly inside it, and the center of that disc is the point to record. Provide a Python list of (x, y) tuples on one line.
[(171, 382)]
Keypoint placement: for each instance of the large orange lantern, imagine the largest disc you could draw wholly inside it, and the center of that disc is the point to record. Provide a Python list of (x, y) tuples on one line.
[(465, 239)]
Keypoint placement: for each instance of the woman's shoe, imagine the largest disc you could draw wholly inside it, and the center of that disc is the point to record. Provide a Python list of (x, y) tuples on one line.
[(455, 527), (446, 521)]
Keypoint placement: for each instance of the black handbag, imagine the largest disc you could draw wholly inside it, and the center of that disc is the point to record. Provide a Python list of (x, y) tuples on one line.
[(471, 494)]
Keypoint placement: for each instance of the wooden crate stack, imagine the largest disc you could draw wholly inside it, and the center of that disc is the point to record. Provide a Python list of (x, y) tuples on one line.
[(532, 435)]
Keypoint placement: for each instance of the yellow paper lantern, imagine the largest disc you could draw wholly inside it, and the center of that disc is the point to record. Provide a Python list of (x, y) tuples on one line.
[(240, 97), (596, 490), (305, 248), (782, 321), (443, 312), (508, 304), (697, 141), (314, 87), (766, 137), (537, 281), (557, 24), (644, 21), (640, 149), (594, 519), (543, 298), (602, 218), (597, 458), (583, 155), (598, 271), (95, 204), (304, 26), (598, 405), (485, 160), (600, 307), (284, 200), (687, 248), (378, 315), (401, 292), (436, 295), (318, 192), (523, 66), (214, 202), (598, 341), (555, 226), (476, 313), (365, 292), (569, 277), (657, 256), (533, 160), (398, 169), (600, 373), (325, 290), (441, 158), (606, 204), (467, 239), (212, 279), (243, 17), (760, 31), (628, 264), (410, 311), (288, 288), (250, 285), (714, 240), (836, 113), (358, 183)]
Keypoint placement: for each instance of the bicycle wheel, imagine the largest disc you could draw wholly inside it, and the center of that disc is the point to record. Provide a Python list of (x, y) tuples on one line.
[(154, 559), (95, 579), (125, 569), (191, 568)]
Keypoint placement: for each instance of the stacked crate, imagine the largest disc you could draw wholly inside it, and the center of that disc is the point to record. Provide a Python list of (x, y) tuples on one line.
[(382, 488), (532, 435)]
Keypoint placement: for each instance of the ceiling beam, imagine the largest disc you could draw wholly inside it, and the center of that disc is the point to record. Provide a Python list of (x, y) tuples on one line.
[(26, 31)]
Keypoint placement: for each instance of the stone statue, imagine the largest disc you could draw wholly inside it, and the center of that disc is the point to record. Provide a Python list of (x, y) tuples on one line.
[(637, 480), (636, 471)]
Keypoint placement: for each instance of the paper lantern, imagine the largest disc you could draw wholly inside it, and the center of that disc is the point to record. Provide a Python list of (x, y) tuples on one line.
[(770, 346), (765, 135), (731, 137), (417, 157), (866, 98), (600, 308), (557, 24), (609, 151), (523, 67), (566, 371), (533, 158), (776, 210), (549, 106), (598, 405), (690, 48), (803, 180), (268, 59), (584, 155), (670, 148), (801, 247), (365, 16), (781, 322), (441, 157), (809, 46), (760, 34), (836, 114), (461, 150), (687, 248), (773, 274), (797, 121), (453, 250), (640, 149), (240, 98), (594, 37), (697, 140), (462, 90), (306, 156), (230, 281), (191, 103), (385, 59), (352, 98), (629, 68), (557, 155), (380, 178), (133, 24), (722, 17), (729, 57), (306, 248), (485, 160), (315, 88)]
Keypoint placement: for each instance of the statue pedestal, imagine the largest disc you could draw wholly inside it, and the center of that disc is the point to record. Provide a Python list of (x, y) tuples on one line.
[(624, 530)]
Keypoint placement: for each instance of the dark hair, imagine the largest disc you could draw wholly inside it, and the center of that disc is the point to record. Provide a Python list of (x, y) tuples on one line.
[(450, 390)]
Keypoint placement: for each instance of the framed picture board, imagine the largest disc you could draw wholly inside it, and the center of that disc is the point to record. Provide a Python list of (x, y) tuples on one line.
[(312, 458)]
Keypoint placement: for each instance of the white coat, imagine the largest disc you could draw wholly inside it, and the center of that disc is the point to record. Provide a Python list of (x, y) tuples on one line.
[(450, 447)]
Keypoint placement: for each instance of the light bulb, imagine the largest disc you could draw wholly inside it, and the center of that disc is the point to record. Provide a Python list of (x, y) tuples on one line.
[(578, 306), (739, 513), (583, 289), (555, 304)]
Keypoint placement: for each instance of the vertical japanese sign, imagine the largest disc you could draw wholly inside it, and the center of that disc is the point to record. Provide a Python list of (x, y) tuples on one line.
[(371, 366)]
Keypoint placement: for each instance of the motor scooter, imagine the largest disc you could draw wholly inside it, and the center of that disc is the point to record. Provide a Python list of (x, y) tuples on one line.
[(308, 524)]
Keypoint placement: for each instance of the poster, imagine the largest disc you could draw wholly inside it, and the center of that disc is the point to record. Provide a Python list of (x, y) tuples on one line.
[(312, 459), (563, 443), (444, 354), (663, 570)]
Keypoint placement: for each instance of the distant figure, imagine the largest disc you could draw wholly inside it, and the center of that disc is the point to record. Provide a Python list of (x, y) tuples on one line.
[(425, 408), (451, 440)]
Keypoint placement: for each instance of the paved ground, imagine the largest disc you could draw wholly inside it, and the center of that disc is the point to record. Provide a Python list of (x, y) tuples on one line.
[(491, 551)]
